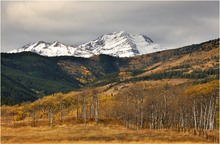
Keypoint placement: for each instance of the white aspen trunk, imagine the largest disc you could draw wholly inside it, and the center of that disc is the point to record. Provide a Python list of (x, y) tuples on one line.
[(50, 116), (165, 108), (213, 118), (194, 114), (200, 117), (151, 121), (161, 122), (97, 110), (84, 109), (204, 117), (126, 112), (92, 113), (214, 112), (211, 114), (183, 124), (61, 112), (181, 118)]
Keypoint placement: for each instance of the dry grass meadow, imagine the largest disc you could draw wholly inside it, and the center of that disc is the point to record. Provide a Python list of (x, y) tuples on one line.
[(93, 134)]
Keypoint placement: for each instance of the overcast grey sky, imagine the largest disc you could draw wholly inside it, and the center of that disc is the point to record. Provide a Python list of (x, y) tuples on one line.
[(171, 24)]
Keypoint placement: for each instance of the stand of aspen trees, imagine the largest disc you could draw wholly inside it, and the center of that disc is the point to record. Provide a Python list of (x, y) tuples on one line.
[(180, 107)]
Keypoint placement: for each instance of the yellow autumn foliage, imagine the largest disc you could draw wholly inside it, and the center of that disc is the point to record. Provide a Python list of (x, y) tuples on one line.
[(125, 74), (203, 89)]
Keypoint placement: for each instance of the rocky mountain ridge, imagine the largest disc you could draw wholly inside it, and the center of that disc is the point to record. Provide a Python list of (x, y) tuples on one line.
[(117, 44)]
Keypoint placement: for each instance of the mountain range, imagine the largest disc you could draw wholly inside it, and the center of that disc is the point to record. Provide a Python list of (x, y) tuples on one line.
[(117, 44)]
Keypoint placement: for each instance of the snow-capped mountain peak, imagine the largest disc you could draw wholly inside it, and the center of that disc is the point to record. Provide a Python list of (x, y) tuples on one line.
[(119, 44)]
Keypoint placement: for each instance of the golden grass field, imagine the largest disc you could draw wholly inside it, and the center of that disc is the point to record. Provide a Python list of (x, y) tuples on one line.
[(93, 134)]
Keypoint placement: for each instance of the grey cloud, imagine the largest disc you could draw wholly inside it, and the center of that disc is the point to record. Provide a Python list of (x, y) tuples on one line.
[(172, 24)]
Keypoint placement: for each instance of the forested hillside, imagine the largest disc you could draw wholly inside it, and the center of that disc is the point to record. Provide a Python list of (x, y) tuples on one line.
[(28, 76)]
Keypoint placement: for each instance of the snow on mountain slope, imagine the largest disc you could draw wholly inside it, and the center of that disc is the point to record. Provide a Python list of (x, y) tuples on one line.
[(47, 49), (119, 44)]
